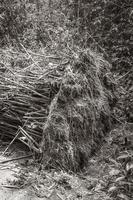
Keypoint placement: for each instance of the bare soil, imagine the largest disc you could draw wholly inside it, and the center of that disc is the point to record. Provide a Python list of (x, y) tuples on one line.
[(25, 180), (20, 181), (9, 175)]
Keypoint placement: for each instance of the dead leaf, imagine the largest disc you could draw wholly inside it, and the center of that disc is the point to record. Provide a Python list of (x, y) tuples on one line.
[(123, 196), (112, 189), (114, 172), (121, 178), (129, 166), (124, 156)]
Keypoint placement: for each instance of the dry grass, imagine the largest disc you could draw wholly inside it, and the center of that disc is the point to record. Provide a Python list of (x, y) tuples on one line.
[(61, 101)]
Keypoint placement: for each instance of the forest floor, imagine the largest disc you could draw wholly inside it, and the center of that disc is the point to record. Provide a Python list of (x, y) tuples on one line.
[(23, 180), (102, 179)]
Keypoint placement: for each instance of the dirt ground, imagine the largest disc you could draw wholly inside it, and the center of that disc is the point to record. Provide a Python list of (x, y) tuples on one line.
[(8, 176), (21, 180), (47, 185), (27, 180)]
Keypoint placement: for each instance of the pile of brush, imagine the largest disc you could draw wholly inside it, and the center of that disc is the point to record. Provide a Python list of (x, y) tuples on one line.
[(61, 109)]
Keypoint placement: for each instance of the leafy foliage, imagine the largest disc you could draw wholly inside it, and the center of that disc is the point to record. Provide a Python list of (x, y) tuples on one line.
[(107, 26), (121, 185)]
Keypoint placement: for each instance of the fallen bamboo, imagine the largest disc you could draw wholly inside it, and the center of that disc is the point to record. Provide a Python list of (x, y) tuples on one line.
[(14, 159)]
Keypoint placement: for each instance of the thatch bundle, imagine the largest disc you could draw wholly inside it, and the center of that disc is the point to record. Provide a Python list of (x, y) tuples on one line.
[(63, 109)]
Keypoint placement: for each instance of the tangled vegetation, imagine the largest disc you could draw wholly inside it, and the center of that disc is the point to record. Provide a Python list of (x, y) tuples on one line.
[(63, 106), (66, 81)]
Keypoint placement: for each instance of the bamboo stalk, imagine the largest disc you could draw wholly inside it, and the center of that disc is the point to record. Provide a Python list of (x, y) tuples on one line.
[(14, 159)]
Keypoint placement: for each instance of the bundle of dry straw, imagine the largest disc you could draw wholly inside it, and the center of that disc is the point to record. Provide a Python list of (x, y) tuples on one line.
[(62, 108)]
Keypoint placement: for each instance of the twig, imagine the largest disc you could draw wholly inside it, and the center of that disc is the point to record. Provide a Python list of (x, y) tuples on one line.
[(32, 143), (29, 55), (28, 136), (18, 84), (124, 75), (14, 159), (11, 143), (11, 187)]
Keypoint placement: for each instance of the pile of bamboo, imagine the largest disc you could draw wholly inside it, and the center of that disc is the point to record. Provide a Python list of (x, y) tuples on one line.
[(59, 109)]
